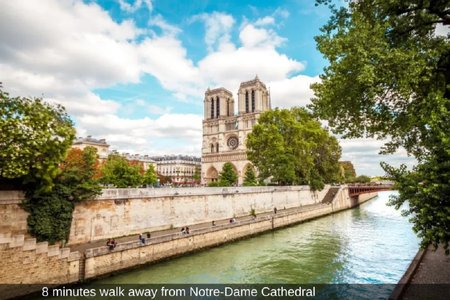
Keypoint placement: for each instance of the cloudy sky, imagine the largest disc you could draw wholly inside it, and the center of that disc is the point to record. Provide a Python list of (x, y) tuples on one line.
[(135, 71)]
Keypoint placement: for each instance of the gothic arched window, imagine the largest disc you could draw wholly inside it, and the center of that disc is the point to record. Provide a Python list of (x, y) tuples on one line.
[(217, 147), (228, 107), (246, 102), (253, 100), (212, 108), (212, 148), (218, 107)]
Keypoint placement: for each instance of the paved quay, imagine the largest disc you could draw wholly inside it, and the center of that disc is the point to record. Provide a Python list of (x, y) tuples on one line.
[(430, 278), (177, 231)]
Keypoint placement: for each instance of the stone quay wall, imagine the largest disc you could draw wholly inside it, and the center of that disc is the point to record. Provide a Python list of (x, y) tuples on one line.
[(13, 219), (25, 262), (121, 212)]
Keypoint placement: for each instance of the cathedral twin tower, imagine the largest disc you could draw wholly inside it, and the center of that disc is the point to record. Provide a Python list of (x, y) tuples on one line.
[(224, 133)]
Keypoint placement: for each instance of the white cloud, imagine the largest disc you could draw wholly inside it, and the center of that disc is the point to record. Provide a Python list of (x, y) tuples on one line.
[(293, 91), (268, 20), (167, 29), (252, 37), (218, 26), (141, 136), (281, 12), (364, 154), (131, 8), (63, 62), (165, 58)]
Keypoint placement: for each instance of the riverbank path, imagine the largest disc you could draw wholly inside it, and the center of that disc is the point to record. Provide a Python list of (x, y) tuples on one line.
[(431, 279)]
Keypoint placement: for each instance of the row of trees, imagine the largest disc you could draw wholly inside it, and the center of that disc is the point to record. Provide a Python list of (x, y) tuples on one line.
[(121, 173), (348, 174), (300, 152), (229, 177)]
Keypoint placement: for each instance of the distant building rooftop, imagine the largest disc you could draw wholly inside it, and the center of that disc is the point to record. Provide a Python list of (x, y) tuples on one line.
[(90, 140), (176, 157)]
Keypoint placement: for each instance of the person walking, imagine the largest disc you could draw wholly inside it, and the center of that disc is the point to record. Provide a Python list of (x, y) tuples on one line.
[(141, 239)]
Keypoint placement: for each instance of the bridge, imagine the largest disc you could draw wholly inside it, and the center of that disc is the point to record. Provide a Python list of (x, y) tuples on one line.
[(355, 190)]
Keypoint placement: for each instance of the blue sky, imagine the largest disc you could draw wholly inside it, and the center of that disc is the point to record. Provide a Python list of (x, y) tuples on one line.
[(296, 21), (135, 71)]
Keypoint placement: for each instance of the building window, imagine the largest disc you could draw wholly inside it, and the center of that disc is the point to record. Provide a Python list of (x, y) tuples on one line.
[(217, 147), (212, 148), (212, 108), (228, 107), (246, 102), (218, 106), (253, 100)]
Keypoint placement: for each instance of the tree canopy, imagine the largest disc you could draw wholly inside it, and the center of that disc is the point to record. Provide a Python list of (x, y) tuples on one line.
[(150, 176), (300, 152), (227, 176), (197, 176), (50, 211), (348, 169), (250, 177), (34, 139), (121, 173), (389, 77), (362, 179)]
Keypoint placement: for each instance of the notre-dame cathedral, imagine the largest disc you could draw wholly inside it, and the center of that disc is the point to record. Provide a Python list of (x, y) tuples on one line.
[(224, 133)]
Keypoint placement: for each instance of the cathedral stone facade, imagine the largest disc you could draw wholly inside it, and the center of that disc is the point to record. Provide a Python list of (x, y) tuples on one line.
[(225, 133)]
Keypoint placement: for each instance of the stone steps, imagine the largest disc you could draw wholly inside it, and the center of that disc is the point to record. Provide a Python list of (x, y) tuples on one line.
[(329, 196)]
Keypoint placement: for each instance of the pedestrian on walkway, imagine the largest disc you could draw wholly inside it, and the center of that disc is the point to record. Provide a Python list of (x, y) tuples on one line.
[(109, 244), (141, 239), (187, 230), (275, 210), (112, 245)]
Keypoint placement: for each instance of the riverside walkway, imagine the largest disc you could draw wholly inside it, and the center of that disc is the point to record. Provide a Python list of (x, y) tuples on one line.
[(157, 236), (428, 277)]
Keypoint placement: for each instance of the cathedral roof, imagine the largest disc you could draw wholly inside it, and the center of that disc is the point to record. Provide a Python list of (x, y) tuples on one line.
[(252, 82), (217, 90)]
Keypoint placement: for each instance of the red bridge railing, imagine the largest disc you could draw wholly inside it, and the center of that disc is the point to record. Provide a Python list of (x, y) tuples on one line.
[(355, 190)]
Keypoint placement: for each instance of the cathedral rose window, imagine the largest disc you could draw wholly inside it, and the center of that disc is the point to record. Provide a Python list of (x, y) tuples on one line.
[(233, 142)]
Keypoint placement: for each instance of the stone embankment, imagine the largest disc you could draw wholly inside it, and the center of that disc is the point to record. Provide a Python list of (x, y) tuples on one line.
[(25, 261)]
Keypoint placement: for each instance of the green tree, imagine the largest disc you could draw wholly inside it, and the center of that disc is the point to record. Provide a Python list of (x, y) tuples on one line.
[(197, 176), (389, 77), (150, 176), (250, 177), (34, 138), (50, 212), (227, 176), (117, 171), (349, 172), (362, 179), (300, 152)]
